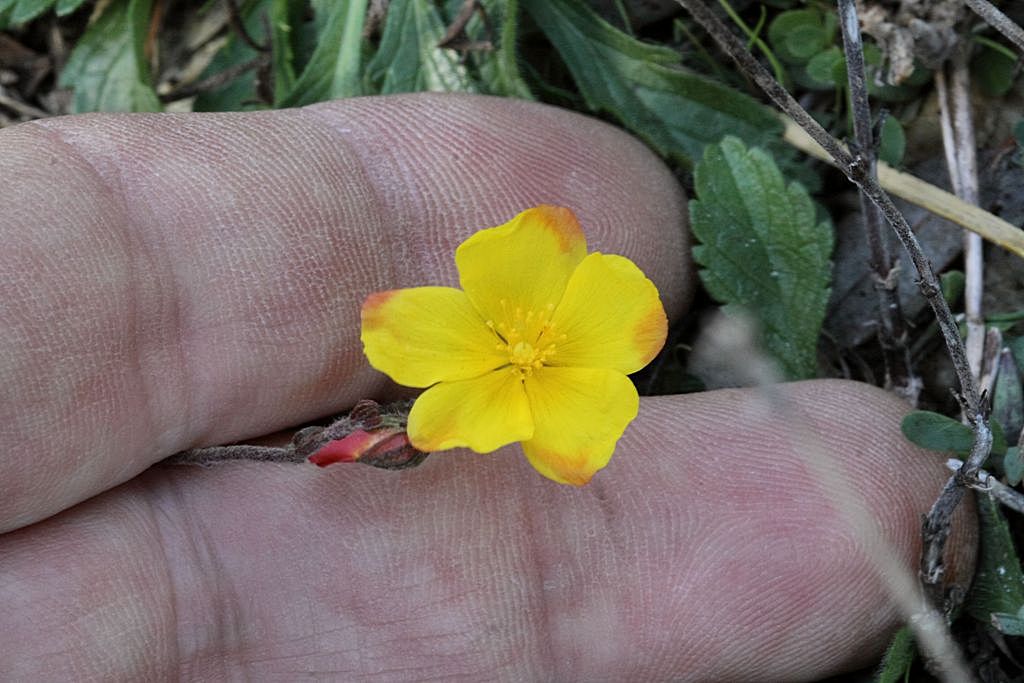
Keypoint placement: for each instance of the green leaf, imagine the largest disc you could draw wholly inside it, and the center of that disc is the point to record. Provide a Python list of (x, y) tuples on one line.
[(937, 432), (107, 69), (335, 68), (828, 67), (408, 58), (998, 583), (893, 143), (899, 658), (804, 41), (798, 34), (994, 71), (952, 284), (65, 7), (763, 249), (27, 10), (678, 113)]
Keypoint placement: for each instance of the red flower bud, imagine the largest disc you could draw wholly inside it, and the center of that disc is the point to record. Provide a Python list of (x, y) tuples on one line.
[(386, 448)]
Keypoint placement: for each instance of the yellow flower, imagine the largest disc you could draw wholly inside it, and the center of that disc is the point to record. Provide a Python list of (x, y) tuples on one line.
[(535, 347)]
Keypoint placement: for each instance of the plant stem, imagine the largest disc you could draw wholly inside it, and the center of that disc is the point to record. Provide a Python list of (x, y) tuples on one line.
[(936, 526), (780, 73), (1008, 496), (214, 455), (891, 332)]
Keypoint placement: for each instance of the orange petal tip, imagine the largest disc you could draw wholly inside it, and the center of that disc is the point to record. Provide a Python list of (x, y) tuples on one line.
[(561, 221)]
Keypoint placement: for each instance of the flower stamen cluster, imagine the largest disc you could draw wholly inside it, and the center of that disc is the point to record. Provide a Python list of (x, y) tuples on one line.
[(528, 339)]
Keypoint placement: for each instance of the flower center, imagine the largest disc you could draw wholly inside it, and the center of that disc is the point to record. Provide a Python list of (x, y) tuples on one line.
[(526, 336)]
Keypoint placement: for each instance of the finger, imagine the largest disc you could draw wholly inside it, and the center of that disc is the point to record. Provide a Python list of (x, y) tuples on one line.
[(707, 550), (171, 281)]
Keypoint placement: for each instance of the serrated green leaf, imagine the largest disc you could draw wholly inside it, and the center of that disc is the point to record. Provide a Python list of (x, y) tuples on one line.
[(408, 58), (107, 69), (335, 68), (893, 142), (998, 583), (65, 7), (763, 250), (677, 112), (27, 10), (899, 658)]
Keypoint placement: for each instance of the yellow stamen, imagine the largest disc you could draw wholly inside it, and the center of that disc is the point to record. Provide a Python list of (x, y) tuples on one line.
[(522, 334)]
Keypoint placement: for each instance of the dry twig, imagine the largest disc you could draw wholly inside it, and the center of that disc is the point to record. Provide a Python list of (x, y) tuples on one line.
[(961, 161), (891, 332)]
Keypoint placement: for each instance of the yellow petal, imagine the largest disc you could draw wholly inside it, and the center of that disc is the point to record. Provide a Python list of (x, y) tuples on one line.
[(520, 269), (609, 317), (483, 413), (424, 335), (578, 415)]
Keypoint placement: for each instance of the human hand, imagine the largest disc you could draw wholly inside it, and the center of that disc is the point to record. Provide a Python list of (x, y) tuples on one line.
[(169, 282)]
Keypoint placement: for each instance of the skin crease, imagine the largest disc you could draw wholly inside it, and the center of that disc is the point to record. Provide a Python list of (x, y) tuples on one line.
[(171, 281)]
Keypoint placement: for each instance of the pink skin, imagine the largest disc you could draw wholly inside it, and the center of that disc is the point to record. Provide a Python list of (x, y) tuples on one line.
[(173, 281)]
